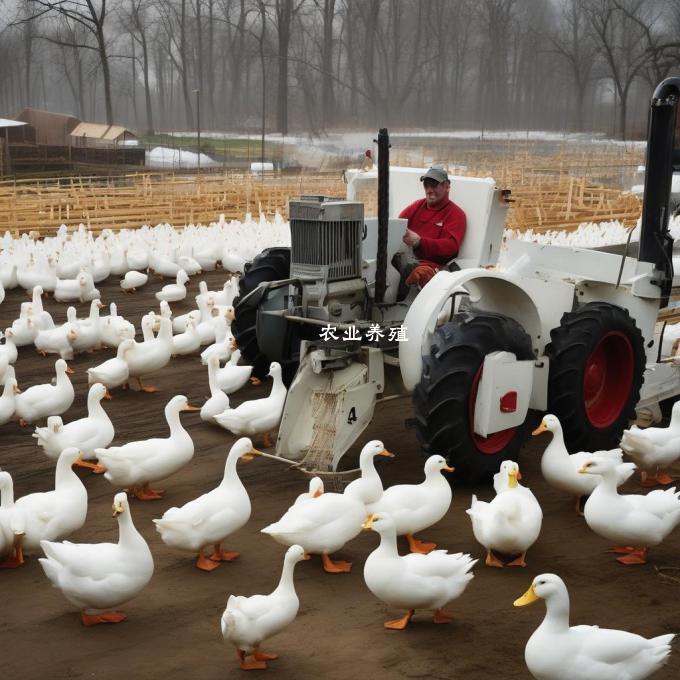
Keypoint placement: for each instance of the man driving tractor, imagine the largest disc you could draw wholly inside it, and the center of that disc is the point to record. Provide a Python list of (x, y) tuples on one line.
[(435, 231)]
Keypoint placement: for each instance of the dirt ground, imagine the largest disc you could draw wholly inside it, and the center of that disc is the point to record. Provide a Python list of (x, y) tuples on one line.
[(173, 626)]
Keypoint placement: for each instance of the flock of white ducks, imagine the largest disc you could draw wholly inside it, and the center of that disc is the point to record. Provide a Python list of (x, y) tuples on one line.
[(99, 578)]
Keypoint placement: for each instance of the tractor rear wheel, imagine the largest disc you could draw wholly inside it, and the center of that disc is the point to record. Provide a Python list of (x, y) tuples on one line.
[(444, 400), (597, 360), (272, 264)]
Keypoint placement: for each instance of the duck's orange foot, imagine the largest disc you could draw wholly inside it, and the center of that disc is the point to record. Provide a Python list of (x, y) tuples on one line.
[(492, 560), (220, 555), (635, 557), (418, 546), (107, 395), (267, 441), (22, 422), (660, 478), (255, 381), (440, 616), (12, 562), (400, 624), (621, 549), (149, 389), (519, 561), (205, 564), (265, 656), (144, 493), (250, 664), (96, 468), (339, 567), (103, 617)]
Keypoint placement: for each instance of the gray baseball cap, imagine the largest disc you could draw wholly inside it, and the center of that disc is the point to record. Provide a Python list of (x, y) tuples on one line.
[(437, 173)]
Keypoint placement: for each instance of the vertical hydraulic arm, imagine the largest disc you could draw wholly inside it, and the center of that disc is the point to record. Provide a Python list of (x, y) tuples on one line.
[(656, 244)]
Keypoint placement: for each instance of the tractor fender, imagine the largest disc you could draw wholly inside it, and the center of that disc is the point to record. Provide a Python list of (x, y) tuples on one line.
[(536, 304)]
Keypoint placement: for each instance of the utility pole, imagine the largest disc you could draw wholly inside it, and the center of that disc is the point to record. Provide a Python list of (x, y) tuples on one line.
[(198, 126)]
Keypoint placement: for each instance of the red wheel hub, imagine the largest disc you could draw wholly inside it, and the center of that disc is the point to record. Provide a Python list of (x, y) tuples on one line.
[(607, 379), (494, 442)]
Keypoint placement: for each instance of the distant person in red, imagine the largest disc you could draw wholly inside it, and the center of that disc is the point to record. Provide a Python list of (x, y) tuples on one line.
[(435, 230)]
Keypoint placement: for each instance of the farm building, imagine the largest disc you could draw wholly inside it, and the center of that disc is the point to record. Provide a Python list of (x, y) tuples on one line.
[(100, 135), (48, 128)]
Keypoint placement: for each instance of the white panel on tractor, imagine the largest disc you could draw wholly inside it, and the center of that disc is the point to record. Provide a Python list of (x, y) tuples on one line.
[(503, 393)]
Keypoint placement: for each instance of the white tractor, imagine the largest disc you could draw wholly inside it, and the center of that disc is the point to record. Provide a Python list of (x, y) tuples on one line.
[(520, 326)]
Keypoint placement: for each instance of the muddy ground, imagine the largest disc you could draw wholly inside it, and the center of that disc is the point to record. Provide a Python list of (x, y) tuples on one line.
[(173, 631)]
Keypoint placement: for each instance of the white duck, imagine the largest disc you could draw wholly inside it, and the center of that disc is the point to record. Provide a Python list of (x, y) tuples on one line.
[(654, 448), (224, 339), (41, 318), (556, 651), (634, 522), (97, 577), (138, 464), (369, 485), (205, 325), (8, 398), (25, 329), (188, 342), (233, 377), (45, 400), (314, 491), (61, 339), (323, 524), (258, 416), (86, 434), (150, 356), (510, 523), (81, 288), (561, 469), (113, 329), (248, 621), (53, 515), (133, 280), (210, 518), (414, 507), (112, 372), (87, 330), (12, 526), (174, 292), (218, 401), (8, 352), (415, 581)]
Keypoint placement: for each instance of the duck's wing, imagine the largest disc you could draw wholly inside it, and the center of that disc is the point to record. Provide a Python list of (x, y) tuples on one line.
[(309, 514), (660, 502), (608, 646), (83, 560)]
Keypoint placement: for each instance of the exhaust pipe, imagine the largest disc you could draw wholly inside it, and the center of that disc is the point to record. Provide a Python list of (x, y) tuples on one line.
[(383, 213)]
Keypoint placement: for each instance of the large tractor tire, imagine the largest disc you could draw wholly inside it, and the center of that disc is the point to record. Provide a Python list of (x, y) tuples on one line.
[(444, 400), (597, 361), (272, 264)]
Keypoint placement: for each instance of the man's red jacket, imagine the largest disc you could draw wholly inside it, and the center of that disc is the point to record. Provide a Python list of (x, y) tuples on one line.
[(441, 230)]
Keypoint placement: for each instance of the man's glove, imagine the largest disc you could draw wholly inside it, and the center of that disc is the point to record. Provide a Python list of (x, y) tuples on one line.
[(421, 275)]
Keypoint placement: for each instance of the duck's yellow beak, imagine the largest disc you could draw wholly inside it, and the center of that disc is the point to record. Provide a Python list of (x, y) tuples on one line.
[(583, 469), (528, 597), (448, 468), (191, 407), (368, 524), (317, 493), (386, 453), (117, 509), (512, 479), (539, 429)]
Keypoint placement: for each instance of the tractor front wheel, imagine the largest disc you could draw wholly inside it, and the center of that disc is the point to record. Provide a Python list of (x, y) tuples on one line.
[(444, 400)]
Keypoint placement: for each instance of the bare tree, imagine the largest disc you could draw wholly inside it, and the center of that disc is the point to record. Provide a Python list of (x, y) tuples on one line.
[(91, 14)]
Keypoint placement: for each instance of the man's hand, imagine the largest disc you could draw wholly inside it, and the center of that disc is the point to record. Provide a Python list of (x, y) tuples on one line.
[(410, 238)]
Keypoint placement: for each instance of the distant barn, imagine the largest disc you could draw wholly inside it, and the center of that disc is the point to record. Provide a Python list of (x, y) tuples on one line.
[(47, 128), (99, 135)]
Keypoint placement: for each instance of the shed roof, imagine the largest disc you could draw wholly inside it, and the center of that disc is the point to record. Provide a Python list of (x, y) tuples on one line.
[(99, 131), (7, 122)]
